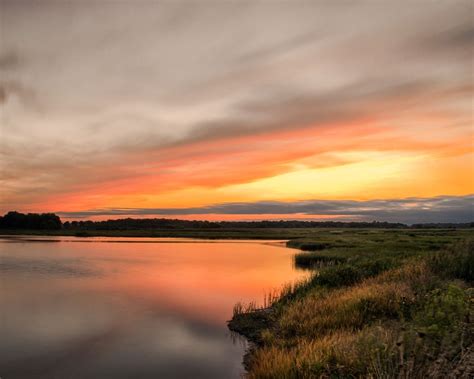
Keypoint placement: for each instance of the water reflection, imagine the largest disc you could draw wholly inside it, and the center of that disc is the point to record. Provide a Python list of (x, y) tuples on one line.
[(147, 310)]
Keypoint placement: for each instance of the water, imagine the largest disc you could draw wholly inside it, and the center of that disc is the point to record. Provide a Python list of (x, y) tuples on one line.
[(129, 307)]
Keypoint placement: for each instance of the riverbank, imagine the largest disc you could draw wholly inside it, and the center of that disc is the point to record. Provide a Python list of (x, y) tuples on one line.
[(381, 304)]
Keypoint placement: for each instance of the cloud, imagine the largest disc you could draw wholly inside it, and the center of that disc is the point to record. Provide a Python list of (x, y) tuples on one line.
[(15, 89), (9, 60), (409, 210)]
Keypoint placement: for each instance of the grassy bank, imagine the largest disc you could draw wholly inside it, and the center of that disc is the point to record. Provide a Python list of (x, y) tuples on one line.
[(382, 304)]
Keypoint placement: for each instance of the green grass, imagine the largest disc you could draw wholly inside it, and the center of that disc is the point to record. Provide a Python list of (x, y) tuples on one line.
[(381, 304), (333, 238)]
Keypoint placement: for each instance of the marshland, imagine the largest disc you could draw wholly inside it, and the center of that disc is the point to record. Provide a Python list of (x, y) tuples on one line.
[(300, 302), (379, 304)]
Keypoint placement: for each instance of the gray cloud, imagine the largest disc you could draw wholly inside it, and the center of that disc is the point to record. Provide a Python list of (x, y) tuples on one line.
[(9, 60), (16, 89), (409, 210)]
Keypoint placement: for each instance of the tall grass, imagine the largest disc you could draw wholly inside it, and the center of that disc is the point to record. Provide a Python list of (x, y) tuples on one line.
[(403, 312), (316, 260), (456, 261)]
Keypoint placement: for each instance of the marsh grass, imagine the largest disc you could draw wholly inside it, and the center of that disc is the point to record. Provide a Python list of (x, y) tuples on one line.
[(399, 307), (317, 260), (456, 262), (242, 308), (274, 298)]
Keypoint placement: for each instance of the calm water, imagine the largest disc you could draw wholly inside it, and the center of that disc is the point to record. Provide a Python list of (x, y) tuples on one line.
[(129, 307)]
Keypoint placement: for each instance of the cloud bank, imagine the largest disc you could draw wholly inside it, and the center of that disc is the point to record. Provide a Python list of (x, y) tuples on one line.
[(410, 210)]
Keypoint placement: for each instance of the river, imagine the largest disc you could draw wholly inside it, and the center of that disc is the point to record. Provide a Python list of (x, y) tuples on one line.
[(130, 307)]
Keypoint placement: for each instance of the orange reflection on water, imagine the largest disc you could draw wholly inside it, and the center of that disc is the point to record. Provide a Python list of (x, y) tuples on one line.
[(203, 279)]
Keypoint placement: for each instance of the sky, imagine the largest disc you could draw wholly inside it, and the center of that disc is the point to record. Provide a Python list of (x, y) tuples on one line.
[(238, 110)]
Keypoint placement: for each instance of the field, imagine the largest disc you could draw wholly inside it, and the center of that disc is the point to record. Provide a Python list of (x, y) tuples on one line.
[(381, 304), (223, 233)]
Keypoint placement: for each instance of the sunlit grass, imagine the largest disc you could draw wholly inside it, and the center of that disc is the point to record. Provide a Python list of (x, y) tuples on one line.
[(394, 307)]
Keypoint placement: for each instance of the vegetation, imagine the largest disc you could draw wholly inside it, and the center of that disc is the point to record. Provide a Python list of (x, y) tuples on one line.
[(304, 235), (381, 304), (44, 221), (165, 223)]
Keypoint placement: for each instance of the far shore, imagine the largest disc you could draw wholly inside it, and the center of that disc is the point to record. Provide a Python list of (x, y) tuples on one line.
[(230, 233)]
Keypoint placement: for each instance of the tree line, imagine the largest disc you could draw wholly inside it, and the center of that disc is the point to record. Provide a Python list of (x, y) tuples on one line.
[(51, 221), (173, 224)]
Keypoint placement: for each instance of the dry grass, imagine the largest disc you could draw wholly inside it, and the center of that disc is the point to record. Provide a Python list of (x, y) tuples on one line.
[(338, 354), (323, 312), (403, 323)]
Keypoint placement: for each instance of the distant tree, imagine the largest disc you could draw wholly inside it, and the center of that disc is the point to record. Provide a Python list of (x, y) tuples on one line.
[(17, 220), (14, 220), (49, 221)]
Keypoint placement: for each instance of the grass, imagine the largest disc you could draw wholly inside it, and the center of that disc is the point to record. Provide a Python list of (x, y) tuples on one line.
[(381, 304), (334, 238)]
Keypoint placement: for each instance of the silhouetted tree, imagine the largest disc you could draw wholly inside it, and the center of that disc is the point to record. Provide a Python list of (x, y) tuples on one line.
[(17, 220)]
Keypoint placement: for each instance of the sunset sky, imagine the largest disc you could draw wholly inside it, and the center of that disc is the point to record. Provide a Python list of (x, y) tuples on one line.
[(238, 110)]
